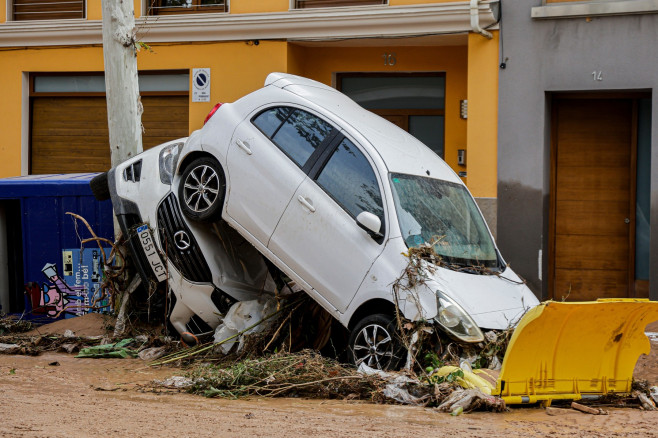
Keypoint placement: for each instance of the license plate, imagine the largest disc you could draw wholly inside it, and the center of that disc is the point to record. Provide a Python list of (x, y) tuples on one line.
[(148, 245)]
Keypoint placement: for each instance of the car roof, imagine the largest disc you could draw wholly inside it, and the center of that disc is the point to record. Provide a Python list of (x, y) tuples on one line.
[(401, 152)]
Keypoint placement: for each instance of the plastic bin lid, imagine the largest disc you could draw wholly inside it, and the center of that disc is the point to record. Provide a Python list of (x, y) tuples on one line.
[(71, 184)]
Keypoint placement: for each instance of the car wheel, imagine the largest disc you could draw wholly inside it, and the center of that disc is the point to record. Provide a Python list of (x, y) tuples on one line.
[(99, 187), (202, 189), (375, 342)]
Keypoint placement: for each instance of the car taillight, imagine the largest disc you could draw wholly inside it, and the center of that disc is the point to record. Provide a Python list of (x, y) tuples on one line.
[(212, 111)]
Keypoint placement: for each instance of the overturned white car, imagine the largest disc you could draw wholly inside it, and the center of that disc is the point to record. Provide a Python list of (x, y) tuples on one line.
[(298, 175)]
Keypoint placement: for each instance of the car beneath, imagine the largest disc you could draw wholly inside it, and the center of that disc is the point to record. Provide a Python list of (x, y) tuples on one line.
[(297, 176)]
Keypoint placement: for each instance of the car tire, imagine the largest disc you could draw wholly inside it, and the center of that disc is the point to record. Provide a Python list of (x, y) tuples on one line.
[(202, 189), (99, 187), (375, 341)]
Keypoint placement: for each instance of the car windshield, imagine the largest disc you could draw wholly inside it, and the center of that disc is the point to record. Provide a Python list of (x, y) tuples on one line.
[(432, 210)]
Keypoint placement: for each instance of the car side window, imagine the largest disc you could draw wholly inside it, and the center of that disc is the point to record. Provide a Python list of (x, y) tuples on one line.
[(296, 132), (349, 179)]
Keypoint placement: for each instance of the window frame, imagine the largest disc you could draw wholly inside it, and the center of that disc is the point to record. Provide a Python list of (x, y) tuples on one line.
[(327, 142), (321, 156), (153, 10), (322, 161), (320, 4), (11, 11), (404, 112)]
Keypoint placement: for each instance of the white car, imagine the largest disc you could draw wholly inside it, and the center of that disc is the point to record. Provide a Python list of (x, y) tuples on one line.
[(330, 194)]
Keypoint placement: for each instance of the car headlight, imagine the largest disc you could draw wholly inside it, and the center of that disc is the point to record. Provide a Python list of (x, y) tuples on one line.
[(167, 162), (454, 320)]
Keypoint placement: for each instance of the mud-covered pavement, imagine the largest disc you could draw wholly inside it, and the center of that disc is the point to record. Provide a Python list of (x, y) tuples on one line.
[(105, 397)]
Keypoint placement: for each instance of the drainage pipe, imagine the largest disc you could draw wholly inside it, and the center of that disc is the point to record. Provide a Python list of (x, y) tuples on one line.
[(475, 20)]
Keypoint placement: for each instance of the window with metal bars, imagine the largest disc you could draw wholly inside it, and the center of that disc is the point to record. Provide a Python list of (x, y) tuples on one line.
[(305, 4), (168, 7), (47, 9)]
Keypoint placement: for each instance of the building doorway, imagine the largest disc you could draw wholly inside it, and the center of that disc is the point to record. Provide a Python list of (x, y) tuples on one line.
[(599, 215), (413, 101)]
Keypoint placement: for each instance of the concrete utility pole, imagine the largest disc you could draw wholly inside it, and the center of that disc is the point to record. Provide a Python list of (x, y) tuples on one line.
[(124, 107)]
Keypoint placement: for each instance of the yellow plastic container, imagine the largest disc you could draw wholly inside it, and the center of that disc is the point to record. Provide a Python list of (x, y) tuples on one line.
[(574, 350)]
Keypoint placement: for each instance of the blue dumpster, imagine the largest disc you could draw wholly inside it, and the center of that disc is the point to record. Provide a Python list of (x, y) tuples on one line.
[(45, 272)]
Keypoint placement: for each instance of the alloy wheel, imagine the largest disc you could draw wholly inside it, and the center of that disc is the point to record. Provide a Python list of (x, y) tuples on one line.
[(201, 188), (373, 346)]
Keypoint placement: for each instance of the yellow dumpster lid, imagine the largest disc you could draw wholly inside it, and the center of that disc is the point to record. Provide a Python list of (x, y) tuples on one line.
[(570, 350)]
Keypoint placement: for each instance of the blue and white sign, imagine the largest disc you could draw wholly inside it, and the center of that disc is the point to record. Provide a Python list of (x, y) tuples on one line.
[(201, 85)]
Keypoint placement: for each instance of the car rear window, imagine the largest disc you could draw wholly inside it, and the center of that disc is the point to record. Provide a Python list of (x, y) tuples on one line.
[(269, 121), (296, 132)]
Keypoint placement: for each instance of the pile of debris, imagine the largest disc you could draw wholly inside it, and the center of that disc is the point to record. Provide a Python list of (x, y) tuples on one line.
[(311, 375)]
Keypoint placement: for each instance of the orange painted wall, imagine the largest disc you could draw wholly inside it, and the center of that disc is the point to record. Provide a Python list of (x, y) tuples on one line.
[(254, 6), (320, 63), (11, 78), (482, 149), (235, 6), (236, 68), (227, 83), (95, 10)]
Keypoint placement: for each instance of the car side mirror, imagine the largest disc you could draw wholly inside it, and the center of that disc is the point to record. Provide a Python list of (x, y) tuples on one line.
[(370, 223)]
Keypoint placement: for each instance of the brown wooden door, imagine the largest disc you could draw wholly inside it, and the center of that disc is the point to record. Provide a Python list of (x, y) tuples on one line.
[(69, 134), (592, 192)]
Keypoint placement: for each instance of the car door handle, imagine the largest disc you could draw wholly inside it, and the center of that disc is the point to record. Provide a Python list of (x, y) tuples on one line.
[(244, 146), (306, 203)]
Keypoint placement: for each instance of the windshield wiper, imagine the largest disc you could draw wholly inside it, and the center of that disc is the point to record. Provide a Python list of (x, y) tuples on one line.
[(470, 268)]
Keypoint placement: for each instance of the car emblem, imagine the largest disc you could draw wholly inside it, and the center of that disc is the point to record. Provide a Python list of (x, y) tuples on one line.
[(182, 240)]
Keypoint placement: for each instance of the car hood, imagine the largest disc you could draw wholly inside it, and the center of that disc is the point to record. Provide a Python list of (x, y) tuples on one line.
[(493, 301)]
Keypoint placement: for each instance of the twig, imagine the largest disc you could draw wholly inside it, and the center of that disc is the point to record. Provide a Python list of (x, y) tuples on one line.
[(120, 325), (84, 221), (298, 385), (208, 346)]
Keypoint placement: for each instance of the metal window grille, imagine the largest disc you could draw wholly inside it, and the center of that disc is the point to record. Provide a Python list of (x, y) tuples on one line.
[(23, 10)]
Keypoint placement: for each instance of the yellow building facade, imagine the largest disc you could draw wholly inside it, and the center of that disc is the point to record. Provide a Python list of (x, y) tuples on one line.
[(51, 111)]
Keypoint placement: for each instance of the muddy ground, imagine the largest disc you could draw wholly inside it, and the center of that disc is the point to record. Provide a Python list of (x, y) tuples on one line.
[(111, 397)]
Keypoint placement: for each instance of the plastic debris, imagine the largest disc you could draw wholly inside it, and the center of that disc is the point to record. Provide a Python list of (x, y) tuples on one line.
[(471, 399), (653, 391), (397, 386), (645, 401), (175, 382), (69, 348), (152, 353), (457, 411), (239, 317), (491, 336), (495, 364), (117, 350), (463, 376)]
